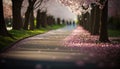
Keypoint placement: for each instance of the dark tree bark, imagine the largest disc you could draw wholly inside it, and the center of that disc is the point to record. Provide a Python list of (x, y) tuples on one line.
[(74, 23), (50, 20), (16, 11), (97, 21), (87, 21), (28, 13), (43, 20), (58, 21), (3, 30), (54, 22), (63, 21), (92, 22), (82, 20), (38, 19), (32, 25), (85, 17), (104, 20), (67, 22), (70, 22)]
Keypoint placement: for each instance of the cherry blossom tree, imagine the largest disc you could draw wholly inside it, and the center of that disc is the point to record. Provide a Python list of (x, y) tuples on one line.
[(76, 6)]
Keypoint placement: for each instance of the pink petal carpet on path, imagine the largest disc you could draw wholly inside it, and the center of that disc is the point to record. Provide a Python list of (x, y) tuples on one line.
[(81, 40)]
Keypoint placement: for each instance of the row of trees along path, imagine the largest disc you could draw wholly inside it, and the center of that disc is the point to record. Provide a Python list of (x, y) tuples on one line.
[(95, 23), (94, 20), (27, 23)]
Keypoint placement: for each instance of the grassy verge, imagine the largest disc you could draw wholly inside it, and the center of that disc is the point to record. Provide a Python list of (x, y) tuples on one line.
[(20, 34), (114, 33)]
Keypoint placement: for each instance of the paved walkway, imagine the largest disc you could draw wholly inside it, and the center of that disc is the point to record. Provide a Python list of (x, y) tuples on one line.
[(70, 47), (47, 46)]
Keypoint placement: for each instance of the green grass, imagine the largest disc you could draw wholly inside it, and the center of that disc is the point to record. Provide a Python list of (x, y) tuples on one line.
[(114, 33), (5, 41), (20, 34)]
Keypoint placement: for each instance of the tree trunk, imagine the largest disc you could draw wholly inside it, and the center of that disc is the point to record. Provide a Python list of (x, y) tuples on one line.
[(93, 11), (63, 21), (28, 12), (38, 19), (86, 20), (43, 19), (16, 11), (89, 22), (3, 30), (49, 20), (58, 21), (97, 21), (104, 20), (32, 20), (27, 15), (54, 22)]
